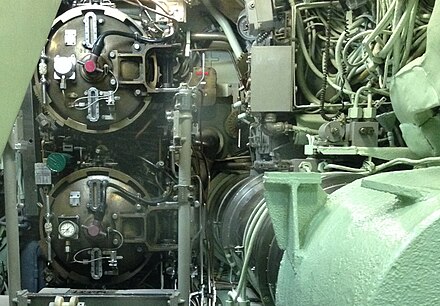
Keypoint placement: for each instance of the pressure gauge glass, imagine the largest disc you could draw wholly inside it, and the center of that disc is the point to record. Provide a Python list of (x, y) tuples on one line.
[(67, 229)]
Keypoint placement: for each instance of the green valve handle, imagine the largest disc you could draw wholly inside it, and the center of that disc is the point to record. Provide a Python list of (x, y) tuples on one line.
[(57, 162)]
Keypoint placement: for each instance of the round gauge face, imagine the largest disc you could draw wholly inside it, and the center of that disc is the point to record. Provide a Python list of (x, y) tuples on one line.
[(67, 229)]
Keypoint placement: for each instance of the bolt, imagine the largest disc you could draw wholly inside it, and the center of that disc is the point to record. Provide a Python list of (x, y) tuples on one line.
[(112, 54), (100, 20), (115, 216), (334, 131), (169, 115), (49, 278), (112, 81), (305, 167), (366, 131), (136, 46), (137, 92), (251, 5), (138, 206), (115, 241), (44, 122)]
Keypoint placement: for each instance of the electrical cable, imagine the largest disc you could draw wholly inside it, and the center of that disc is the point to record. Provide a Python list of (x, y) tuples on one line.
[(346, 37), (325, 60), (368, 49)]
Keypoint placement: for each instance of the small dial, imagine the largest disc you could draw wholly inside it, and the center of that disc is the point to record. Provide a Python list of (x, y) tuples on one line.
[(67, 229)]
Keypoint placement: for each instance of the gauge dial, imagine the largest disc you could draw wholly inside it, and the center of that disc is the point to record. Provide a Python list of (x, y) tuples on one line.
[(67, 229)]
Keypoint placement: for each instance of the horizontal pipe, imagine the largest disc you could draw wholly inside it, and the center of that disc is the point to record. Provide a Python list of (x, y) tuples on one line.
[(208, 36)]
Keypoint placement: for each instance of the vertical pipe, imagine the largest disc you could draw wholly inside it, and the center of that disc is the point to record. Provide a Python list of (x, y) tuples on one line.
[(184, 101), (14, 279)]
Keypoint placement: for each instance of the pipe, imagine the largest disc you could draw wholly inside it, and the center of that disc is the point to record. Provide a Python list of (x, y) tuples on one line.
[(184, 102), (241, 288), (98, 46), (271, 127), (221, 20), (209, 36), (14, 278)]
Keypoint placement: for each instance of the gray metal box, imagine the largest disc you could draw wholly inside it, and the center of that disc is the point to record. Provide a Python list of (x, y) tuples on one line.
[(260, 14), (272, 79), (363, 134)]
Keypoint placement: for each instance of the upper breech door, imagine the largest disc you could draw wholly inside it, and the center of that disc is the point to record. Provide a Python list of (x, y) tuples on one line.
[(95, 95)]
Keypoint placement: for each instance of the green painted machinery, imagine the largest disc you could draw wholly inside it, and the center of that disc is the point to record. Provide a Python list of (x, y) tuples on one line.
[(24, 30), (372, 242)]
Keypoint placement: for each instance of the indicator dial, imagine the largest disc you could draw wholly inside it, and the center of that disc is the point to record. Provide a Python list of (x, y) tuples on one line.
[(67, 229)]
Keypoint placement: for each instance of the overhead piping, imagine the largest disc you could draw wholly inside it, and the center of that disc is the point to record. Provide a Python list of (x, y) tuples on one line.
[(223, 22)]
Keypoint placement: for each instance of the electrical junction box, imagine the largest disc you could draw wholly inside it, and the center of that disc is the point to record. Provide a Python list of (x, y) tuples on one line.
[(260, 14), (271, 79)]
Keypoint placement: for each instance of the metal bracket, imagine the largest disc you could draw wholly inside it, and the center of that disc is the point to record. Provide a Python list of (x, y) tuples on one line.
[(97, 195), (93, 104), (96, 263), (75, 198), (293, 201), (90, 29)]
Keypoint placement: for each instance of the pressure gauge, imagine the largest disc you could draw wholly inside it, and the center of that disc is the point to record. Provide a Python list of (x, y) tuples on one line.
[(67, 229)]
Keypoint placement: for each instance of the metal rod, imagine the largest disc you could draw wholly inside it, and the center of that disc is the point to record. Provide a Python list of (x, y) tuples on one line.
[(10, 185), (184, 101), (209, 36)]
